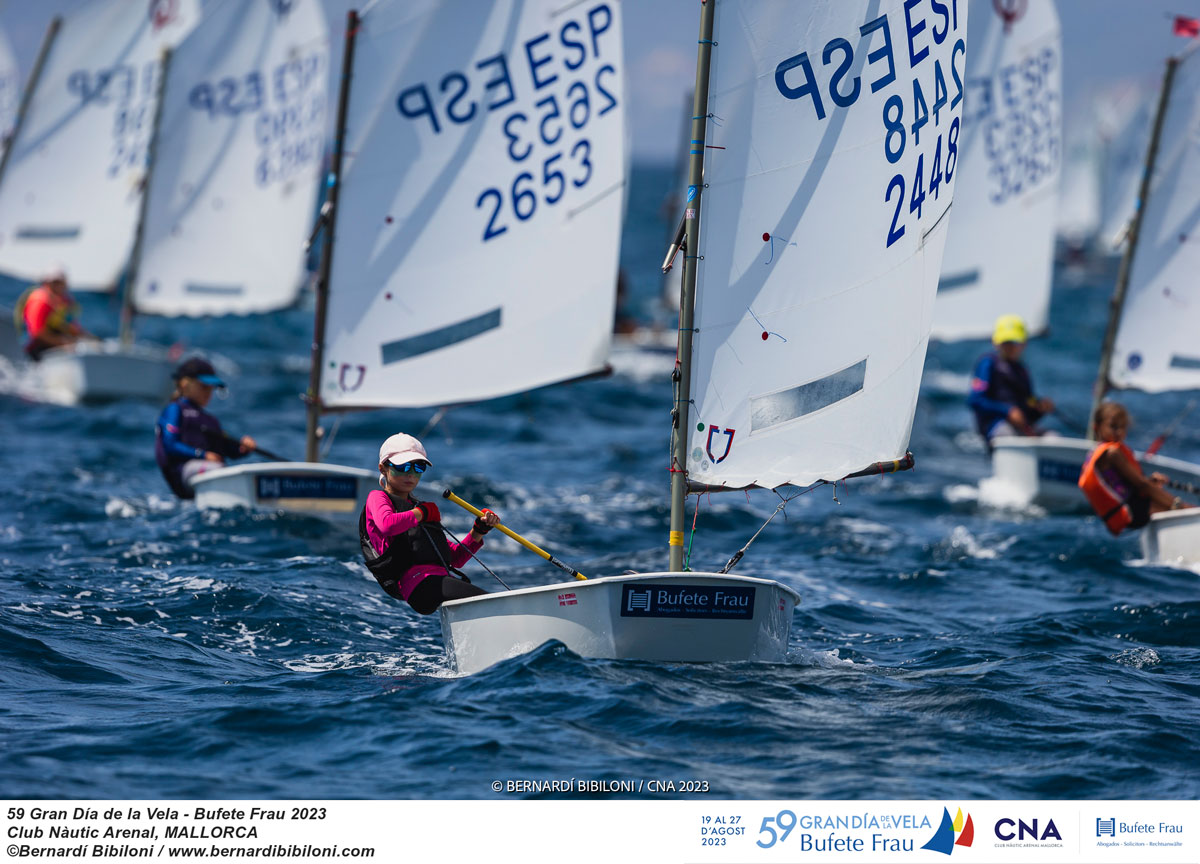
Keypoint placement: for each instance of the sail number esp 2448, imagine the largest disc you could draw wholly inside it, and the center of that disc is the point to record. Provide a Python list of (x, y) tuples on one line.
[(921, 116)]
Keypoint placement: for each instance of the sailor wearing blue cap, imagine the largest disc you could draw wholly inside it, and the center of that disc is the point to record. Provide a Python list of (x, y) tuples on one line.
[(189, 440)]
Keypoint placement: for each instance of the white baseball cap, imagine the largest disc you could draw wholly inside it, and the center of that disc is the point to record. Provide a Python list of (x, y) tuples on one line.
[(55, 273), (401, 448)]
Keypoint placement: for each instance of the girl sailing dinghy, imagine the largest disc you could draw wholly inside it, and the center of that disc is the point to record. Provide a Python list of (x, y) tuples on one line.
[(484, 156), (71, 179), (1150, 344), (816, 217)]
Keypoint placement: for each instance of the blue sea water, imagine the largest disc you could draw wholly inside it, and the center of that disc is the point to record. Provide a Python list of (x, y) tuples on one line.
[(943, 648)]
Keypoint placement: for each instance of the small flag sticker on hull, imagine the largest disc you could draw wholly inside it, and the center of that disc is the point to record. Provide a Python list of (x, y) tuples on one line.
[(567, 600)]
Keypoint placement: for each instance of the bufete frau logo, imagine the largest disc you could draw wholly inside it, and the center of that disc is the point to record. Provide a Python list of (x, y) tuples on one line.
[(951, 833)]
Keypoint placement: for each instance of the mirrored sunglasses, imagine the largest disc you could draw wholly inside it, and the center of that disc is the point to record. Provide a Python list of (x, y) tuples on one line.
[(408, 468)]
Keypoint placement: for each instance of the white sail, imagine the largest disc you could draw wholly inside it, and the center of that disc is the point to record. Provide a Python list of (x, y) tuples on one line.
[(1156, 347), (10, 89), (1000, 251), (821, 234), (1079, 190), (71, 189), (479, 220), (1127, 116), (234, 184)]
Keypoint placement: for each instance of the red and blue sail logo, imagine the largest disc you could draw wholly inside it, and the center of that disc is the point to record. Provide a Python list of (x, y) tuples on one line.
[(163, 12), (717, 430), (951, 833)]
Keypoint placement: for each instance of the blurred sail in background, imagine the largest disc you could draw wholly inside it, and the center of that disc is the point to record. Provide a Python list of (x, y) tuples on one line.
[(71, 192), (1000, 250), (10, 88), (1126, 113), (233, 188)]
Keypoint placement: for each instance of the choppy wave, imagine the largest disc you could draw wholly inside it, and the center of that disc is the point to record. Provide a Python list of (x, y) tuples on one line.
[(944, 646)]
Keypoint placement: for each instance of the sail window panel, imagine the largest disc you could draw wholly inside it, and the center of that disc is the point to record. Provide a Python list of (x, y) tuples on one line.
[(784, 406), (1178, 361), (960, 280), (443, 337), (214, 290), (48, 232)]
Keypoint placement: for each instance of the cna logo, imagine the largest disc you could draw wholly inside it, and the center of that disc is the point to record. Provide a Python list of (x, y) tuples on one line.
[(951, 833), (1008, 829)]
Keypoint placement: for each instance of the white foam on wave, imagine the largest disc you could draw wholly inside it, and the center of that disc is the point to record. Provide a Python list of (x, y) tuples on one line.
[(963, 541), (131, 508), (387, 665), (997, 494), (830, 659), (959, 493), (1137, 658)]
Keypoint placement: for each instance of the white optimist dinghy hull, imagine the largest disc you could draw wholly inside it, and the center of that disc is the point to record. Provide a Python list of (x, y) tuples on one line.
[(104, 371), (1172, 537), (674, 617), (1045, 472), (310, 488)]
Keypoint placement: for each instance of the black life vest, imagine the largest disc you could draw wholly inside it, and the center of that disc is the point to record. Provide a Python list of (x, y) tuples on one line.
[(424, 544)]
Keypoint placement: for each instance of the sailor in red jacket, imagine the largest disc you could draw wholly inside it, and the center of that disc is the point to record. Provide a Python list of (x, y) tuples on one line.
[(51, 315), (1113, 481)]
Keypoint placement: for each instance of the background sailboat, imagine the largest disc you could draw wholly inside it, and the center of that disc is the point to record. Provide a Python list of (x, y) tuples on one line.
[(234, 184), (71, 190), (1150, 344), (1155, 348), (815, 235), (471, 248), (1000, 251), (230, 203), (72, 186)]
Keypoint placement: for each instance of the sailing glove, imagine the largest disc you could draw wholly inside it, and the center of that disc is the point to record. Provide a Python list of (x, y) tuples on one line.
[(429, 512), (482, 527)]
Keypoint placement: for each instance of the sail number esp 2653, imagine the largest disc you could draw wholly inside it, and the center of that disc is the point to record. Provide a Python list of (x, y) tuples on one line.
[(550, 89), (921, 116)]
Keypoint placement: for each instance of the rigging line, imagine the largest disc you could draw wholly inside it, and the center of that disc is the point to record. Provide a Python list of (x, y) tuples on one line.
[(571, 214), (687, 555), (437, 418), (328, 439), (554, 13), (476, 557), (732, 562)]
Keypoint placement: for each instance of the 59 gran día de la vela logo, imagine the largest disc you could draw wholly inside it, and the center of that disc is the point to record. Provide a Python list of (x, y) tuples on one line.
[(951, 833)]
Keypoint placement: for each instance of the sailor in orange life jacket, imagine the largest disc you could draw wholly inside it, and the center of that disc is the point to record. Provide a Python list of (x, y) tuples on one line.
[(1113, 481), (50, 313), (402, 539)]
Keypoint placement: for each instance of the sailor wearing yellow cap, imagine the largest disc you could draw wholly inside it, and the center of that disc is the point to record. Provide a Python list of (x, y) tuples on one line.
[(1002, 394)]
